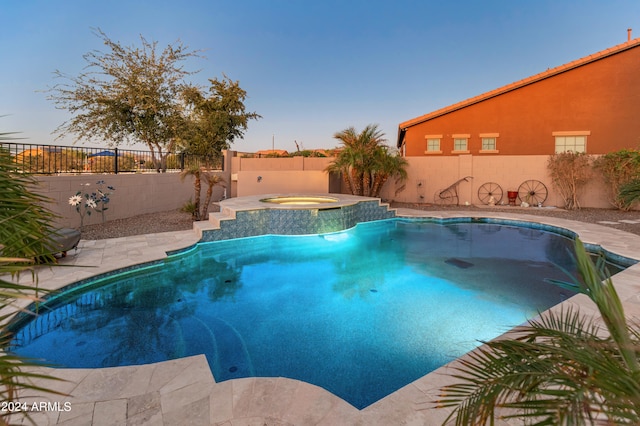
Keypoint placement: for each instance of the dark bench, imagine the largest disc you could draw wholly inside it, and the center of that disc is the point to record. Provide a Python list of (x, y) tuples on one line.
[(65, 239)]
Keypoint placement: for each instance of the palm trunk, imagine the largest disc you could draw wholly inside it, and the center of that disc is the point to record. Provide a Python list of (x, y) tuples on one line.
[(207, 201), (197, 185), (346, 177), (366, 184), (378, 183), (356, 177)]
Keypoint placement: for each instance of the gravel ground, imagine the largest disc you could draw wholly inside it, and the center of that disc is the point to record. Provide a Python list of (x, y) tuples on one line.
[(175, 220)]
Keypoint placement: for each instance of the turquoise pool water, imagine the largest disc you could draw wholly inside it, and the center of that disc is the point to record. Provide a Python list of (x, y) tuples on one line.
[(361, 312)]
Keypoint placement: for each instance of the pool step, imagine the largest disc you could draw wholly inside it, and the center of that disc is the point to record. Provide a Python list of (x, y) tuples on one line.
[(215, 220), (212, 223)]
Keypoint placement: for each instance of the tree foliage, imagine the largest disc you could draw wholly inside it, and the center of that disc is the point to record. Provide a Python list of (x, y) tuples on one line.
[(127, 94), (618, 169), (562, 368), (213, 122), (570, 171), (365, 162), (216, 120)]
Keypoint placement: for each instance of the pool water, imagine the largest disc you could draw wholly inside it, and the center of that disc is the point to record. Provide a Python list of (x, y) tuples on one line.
[(360, 313)]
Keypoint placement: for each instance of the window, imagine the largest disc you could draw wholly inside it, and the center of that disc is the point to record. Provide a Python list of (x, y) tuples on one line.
[(460, 144), (571, 141), (488, 144), (433, 144)]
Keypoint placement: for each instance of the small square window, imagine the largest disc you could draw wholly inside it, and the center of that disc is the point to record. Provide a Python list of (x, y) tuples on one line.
[(433, 144), (460, 144), (488, 144)]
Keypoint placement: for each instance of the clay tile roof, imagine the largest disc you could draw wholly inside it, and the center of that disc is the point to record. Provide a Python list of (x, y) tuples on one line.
[(529, 80)]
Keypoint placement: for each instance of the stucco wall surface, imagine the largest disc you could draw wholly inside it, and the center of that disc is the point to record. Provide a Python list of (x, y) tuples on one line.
[(428, 176)]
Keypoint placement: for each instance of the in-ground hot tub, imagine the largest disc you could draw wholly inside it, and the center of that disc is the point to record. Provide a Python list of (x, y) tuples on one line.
[(293, 214), (299, 200)]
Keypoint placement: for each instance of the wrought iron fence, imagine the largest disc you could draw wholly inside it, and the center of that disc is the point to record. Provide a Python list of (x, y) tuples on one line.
[(55, 159)]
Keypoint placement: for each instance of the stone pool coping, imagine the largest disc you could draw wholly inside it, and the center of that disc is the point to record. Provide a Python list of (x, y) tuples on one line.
[(253, 202), (183, 391)]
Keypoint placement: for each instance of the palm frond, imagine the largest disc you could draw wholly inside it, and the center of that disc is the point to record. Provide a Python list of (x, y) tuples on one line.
[(560, 368)]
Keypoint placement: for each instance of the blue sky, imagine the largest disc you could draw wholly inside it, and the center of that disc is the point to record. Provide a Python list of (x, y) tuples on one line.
[(311, 68)]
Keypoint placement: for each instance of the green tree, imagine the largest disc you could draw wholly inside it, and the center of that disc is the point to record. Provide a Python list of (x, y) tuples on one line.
[(217, 119), (126, 95), (214, 121), (563, 368), (365, 162), (25, 235)]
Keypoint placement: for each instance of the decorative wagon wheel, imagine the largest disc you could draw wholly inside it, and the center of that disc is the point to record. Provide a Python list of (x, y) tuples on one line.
[(533, 192), (488, 190), (445, 196)]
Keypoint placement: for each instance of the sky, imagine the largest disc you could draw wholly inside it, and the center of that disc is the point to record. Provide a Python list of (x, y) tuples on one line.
[(310, 68)]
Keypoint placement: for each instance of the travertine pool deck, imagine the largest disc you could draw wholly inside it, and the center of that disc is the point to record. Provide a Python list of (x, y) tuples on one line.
[(184, 392)]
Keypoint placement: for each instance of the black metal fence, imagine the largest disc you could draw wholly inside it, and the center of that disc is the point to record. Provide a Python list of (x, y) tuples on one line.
[(55, 159)]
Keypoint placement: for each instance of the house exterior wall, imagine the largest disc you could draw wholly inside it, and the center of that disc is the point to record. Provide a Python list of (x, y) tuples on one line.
[(600, 97)]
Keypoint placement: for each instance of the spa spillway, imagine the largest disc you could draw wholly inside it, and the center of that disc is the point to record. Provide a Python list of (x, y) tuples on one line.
[(293, 214), (299, 200)]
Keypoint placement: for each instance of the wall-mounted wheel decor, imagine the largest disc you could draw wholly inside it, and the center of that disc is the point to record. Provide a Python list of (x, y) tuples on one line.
[(533, 192), (488, 190)]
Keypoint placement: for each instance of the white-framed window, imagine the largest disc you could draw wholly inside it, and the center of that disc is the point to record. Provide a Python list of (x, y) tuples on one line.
[(433, 144), (572, 141), (488, 144), (460, 144)]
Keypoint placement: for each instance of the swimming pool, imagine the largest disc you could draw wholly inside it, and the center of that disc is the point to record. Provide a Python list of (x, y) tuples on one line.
[(355, 304)]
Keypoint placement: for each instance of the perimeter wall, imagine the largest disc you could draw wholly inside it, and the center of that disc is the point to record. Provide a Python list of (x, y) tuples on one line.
[(134, 194), (429, 175), (156, 192)]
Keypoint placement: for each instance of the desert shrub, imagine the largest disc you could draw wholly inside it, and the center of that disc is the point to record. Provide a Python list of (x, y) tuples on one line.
[(569, 172), (629, 194), (618, 169)]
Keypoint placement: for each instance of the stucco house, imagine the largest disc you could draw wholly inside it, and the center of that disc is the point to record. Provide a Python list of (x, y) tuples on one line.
[(589, 105)]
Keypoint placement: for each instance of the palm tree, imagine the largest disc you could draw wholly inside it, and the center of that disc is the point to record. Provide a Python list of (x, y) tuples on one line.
[(364, 161), (25, 235), (386, 165), (211, 180), (199, 174), (563, 368)]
